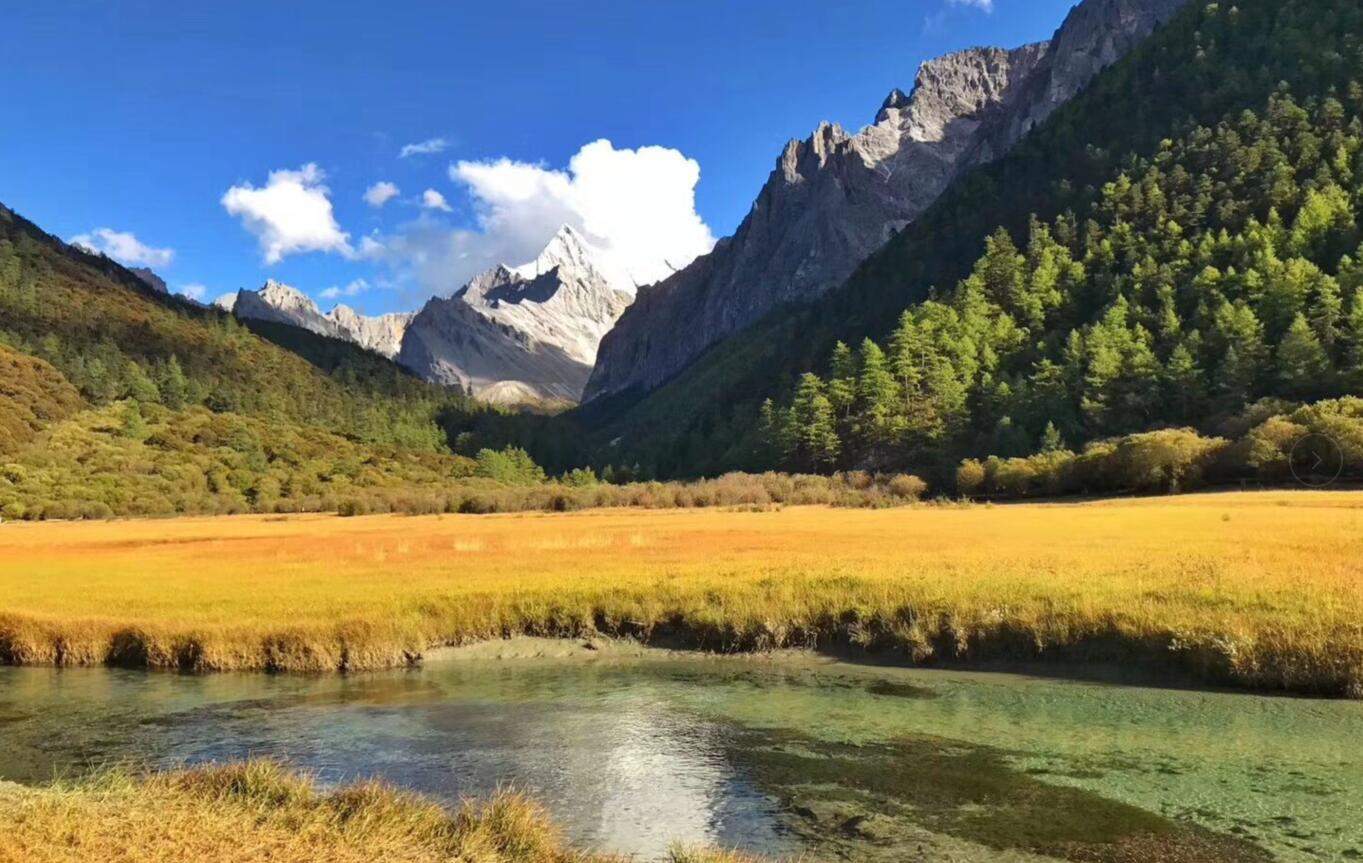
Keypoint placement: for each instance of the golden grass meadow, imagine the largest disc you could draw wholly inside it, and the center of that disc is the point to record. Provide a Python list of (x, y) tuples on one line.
[(1261, 590)]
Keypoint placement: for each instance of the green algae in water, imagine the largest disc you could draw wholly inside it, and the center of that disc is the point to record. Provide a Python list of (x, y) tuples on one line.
[(849, 796), (898, 689), (1234, 763)]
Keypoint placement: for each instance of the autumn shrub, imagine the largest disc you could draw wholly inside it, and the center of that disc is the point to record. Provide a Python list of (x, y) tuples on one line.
[(970, 477), (907, 487), (1166, 461)]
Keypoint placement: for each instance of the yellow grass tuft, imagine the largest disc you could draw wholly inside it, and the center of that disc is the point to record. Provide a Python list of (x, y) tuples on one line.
[(257, 811), (1262, 590)]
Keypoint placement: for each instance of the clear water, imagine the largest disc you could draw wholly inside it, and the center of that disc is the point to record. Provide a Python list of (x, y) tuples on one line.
[(824, 760)]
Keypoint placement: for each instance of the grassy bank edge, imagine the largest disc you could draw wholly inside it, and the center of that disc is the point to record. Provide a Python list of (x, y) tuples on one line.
[(901, 636), (257, 810)]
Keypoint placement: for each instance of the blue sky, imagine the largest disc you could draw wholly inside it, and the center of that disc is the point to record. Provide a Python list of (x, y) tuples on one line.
[(167, 120)]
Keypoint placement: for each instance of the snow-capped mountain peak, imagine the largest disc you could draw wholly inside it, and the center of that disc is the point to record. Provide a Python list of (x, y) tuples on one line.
[(566, 249), (530, 330)]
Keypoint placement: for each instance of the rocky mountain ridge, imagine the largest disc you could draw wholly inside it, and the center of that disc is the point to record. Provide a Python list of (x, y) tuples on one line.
[(150, 279), (280, 303), (512, 335), (836, 197)]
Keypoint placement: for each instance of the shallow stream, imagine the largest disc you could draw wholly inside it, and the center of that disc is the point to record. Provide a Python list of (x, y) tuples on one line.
[(820, 759)]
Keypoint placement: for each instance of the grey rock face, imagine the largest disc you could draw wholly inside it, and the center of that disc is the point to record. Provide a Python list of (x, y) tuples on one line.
[(280, 303), (381, 333), (519, 334), (835, 198), (150, 279), (1096, 35)]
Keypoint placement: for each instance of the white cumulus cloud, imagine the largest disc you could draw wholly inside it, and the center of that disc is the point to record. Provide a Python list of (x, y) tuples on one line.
[(124, 247), (290, 214), (982, 5), (380, 193), (194, 291), (637, 206), (423, 148), (433, 200)]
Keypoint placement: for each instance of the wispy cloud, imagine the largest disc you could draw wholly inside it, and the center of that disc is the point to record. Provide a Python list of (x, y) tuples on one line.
[(935, 21), (124, 247), (194, 291), (424, 148), (352, 289)]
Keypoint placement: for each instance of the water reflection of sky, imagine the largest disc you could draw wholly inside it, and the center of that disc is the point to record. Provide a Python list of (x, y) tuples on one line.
[(619, 767)]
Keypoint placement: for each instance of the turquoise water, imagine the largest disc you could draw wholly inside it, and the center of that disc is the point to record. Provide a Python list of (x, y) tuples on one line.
[(825, 760)]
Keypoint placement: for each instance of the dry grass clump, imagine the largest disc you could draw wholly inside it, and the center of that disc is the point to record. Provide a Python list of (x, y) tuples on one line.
[(1261, 590), (687, 854), (258, 811)]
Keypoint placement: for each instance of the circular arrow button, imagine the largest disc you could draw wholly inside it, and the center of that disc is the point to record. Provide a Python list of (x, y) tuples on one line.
[(1316, 460)]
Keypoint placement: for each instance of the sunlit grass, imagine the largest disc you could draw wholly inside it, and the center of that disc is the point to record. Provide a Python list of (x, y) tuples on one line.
[(258, 811), (1261, 589)]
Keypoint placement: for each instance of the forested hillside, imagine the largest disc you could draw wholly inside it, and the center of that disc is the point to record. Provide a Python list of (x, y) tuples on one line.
[(117, 399), (1219, 278), (112, 338), (32, 394), (1176, 244)]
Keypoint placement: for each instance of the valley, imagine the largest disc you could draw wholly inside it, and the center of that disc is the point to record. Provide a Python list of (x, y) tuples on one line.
[(977, 484)]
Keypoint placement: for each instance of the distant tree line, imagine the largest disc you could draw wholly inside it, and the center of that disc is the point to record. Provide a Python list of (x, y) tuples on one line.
[(130, 458)]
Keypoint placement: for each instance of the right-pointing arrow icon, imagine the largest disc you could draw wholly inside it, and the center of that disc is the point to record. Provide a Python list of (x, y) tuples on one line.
[(1316, 460)]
